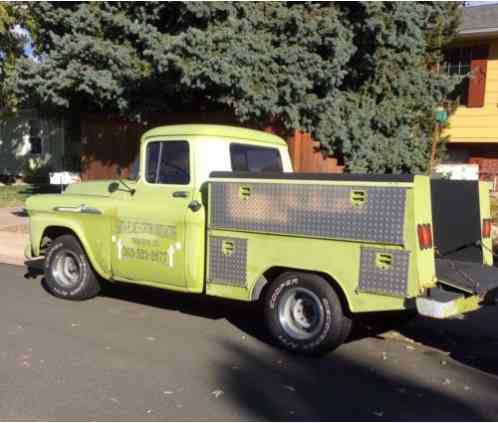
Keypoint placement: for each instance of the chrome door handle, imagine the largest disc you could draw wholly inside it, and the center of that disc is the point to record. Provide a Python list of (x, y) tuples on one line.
[(180, 194)]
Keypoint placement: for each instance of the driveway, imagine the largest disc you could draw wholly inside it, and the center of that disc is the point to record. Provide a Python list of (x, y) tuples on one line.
[(143, 354), (14, 228)]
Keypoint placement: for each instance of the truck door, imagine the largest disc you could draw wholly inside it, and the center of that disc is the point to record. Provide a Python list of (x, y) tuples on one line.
[(149, 236)]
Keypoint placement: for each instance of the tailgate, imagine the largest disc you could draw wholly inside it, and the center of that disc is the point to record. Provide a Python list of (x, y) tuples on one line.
[(458, 211), (456, 217), (474, 278)]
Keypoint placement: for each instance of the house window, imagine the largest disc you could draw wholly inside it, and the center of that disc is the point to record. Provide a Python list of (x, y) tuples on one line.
[(35, 140), (458, 62), (464, 61)]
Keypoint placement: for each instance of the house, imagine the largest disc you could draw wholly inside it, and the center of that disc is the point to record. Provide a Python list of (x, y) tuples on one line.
[(473, 127), (32, 145)]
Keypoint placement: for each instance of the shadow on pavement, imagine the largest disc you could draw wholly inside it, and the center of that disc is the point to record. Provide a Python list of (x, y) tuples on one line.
[(194, 304), (470, 342), (331, 388), (41, 188), (20, 212), (467, 345)]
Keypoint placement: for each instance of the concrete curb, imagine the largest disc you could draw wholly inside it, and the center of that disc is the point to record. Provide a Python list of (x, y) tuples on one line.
[(12, 246), (14, 261)]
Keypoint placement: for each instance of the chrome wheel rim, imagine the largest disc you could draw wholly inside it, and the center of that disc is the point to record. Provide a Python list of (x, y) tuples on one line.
[(66, 269), (301, 313)]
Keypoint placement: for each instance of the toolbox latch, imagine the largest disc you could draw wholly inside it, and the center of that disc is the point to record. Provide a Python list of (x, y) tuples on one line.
[(358, 197), (227, 248), (244, 192), (383, 261)]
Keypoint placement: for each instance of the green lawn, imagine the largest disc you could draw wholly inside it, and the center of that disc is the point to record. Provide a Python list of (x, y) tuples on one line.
[(15, 195)]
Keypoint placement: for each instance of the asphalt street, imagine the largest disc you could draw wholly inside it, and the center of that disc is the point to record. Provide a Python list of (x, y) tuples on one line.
[(136, 353)]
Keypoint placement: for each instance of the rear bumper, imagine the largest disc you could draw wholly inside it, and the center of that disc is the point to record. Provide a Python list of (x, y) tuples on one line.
[(436, 309)]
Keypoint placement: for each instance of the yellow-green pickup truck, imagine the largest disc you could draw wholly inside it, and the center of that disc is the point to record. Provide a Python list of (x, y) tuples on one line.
[(217, 210)]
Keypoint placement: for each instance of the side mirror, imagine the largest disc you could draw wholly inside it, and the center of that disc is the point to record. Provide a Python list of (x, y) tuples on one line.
[(113, 187)]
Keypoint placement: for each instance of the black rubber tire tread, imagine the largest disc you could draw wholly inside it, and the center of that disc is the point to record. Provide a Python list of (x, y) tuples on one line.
[(337, 325), (89, 285)]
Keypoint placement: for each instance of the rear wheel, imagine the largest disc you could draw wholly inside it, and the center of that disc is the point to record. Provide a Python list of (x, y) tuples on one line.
[(68, 273), (304, 314)]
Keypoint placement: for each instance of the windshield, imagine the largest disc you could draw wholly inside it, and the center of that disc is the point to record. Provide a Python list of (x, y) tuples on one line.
[(134, 171)]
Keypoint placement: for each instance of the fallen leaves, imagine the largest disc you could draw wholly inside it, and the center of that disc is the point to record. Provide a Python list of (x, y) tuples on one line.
[(217, 393)]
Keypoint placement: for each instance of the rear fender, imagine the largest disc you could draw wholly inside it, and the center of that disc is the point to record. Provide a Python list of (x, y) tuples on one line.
[(271, 274)]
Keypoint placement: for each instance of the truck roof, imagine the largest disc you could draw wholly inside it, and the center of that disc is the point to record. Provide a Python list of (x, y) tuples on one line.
[(224, 131)]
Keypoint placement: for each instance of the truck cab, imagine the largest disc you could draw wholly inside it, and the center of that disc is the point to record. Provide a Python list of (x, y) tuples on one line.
[(169, 197)]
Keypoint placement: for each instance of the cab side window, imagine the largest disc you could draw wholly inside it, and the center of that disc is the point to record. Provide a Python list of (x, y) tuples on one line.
[(250, 158), (168, 162)]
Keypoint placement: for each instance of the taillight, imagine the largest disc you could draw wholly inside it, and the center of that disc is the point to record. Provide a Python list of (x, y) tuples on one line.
[(424, 236), (486, 228)]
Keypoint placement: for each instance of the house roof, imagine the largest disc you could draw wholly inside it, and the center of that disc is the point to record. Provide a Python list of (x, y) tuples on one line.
[(479, 20)]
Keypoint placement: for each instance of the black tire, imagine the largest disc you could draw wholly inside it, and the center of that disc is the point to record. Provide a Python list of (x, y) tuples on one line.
[(68, 273), (330, 325)]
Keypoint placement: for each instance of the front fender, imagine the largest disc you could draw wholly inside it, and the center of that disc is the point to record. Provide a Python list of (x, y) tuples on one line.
[(93, 231)]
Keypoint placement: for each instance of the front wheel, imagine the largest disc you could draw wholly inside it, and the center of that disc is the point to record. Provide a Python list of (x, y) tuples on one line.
[(68, 273), (304, 314)]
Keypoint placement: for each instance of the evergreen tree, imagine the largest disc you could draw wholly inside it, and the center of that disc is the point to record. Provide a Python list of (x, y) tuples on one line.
[(361, 77), (10, 49)]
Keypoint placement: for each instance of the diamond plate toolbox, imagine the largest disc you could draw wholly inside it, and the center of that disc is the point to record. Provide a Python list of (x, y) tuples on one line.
[(384, 271), (371, 214), (227, 261)]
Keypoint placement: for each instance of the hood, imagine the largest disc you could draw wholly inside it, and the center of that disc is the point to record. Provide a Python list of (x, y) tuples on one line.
[(95, 188), (88, 193)]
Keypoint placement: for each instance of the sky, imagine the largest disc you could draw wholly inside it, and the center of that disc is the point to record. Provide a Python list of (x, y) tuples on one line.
[(28, 46), (479, 3)]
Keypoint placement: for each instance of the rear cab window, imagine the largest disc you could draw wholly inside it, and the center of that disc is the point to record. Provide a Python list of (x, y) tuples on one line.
[(252, 158)]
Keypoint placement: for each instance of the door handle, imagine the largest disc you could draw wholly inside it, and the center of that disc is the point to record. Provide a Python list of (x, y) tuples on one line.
[(194, 205), (180, 194)]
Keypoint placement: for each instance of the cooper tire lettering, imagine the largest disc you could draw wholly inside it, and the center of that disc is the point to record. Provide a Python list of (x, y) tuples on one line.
[(335, 323)]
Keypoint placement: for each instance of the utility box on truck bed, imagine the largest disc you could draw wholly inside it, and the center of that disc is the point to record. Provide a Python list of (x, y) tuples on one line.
[(217, 211)]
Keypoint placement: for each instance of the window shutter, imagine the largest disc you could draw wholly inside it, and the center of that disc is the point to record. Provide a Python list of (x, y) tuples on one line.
[(477, 84)]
